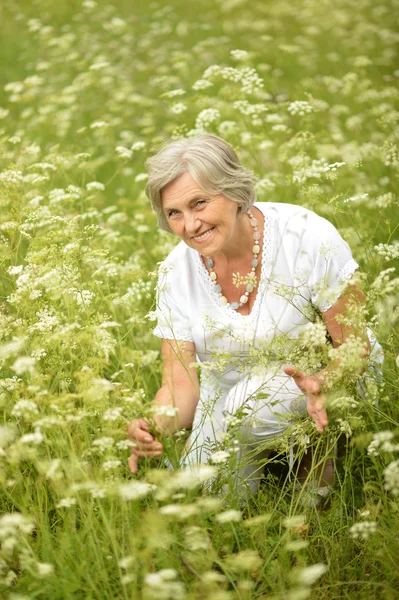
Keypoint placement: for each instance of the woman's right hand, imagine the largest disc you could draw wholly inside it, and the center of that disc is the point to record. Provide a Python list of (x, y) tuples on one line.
[(146, 445)]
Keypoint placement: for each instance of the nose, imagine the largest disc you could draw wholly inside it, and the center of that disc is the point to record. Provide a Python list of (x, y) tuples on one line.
[(191, 222)]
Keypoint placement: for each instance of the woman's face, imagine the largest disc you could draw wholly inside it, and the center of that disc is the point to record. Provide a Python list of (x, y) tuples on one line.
[(207, 223)]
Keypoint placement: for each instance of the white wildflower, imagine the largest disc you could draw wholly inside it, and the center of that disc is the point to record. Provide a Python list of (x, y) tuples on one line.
[(112, 414), (7, 434), (239, 55), (52, 469), (124, 152), (391, 477), (66, 502), (206, 117), (379, 439), (197, 539), (173, 93), (178, 108), (229, 516), (180, 511), (128, 578), (25, 409), (99, 125), (83, 298), (356, 200), (44, 570), (342, 403), (299, 107), (388, 251), (95, 185), (24, 364), (220, 456), (198, 474), (226, 128), (202, 84), (15, 270), (162, 585), (109, 465), (313, 334), (165, 410), (103, 443), (141, 177), (246, 560), (344, 427), (126, 562), (11, 348), (363, 530), (264, 185), (137, 146), (294, 522), (12, 522), (135, 490), (309, 575), (31, 438), (35, 294), (296, 545)]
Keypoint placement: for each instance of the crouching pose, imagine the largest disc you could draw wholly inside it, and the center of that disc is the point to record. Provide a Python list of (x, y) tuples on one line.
[(245, 281)]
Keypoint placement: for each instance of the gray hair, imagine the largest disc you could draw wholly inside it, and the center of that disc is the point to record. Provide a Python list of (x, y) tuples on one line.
[(211, 162)]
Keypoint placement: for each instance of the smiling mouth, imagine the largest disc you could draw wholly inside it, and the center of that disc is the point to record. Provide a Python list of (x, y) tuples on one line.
[(203, 236)]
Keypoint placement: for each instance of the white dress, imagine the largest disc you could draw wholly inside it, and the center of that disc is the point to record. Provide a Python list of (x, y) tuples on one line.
[(305, 263)]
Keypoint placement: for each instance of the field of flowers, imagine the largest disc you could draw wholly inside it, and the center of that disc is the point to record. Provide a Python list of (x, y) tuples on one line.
[(307, 93)]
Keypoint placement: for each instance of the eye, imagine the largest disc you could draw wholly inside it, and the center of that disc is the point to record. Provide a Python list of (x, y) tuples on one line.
[(200, 202), (172, 212)]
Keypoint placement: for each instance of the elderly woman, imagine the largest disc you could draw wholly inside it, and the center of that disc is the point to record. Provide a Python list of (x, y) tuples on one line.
[(245, 275)]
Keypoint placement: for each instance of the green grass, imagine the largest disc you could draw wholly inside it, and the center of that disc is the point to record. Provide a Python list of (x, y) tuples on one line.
[(89, 260)]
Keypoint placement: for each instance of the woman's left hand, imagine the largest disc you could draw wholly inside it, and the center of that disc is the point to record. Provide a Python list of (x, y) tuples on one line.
[(311, 387)]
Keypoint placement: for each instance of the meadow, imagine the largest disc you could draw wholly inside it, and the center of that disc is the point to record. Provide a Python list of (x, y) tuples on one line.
[(307, 94)]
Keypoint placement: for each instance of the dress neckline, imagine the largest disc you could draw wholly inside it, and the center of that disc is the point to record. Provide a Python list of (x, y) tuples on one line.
[(266, 266)]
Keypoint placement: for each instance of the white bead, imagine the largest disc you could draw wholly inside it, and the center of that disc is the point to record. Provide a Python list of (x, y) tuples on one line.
[(223, 300), (244, 299), (213, 275)]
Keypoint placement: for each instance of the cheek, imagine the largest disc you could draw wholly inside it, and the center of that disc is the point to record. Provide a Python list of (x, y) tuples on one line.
[(177, 227)]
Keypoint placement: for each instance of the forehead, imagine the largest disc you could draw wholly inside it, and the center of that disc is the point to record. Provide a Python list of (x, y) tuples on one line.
[(180, 191)]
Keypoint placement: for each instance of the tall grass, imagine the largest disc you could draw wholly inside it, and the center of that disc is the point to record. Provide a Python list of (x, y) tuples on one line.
[(307, 94)]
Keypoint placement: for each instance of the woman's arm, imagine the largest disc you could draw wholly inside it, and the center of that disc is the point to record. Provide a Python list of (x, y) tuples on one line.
[(340, 327), (180, 386), (177, 396)]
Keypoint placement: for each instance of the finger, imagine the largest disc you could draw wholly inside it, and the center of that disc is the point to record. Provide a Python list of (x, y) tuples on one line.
[(306, 383), (323, 418), (312, 385), (143, 437), (321, 421), (137, 425), (148, 453), (132, 462), (318, 415), (146, 449), (293, 372)]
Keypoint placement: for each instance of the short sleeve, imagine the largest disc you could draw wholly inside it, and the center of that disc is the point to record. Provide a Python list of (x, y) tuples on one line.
[(333, 265), (172, 322)]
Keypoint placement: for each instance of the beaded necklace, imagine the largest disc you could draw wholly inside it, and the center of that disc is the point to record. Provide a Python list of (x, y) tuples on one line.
[(251, 280)]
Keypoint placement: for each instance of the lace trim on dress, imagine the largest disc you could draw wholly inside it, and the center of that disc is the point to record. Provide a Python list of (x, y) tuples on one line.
[(266, 266), (345, 274), (179, 335)]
